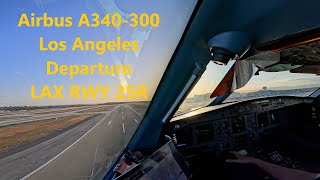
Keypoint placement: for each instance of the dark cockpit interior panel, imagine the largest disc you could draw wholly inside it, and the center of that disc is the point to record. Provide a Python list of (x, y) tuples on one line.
[(281, 130)]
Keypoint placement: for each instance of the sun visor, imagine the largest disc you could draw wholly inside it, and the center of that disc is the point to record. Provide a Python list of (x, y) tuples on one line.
[(309, 69), (265, 59), (298, 53), (300, 59), (237, 77), (271, 62), (281, 67)]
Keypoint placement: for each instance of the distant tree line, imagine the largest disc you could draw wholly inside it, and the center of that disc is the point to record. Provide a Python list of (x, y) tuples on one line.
[(21, 108)]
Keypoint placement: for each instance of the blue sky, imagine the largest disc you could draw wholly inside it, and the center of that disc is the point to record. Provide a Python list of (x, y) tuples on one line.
[(24, 65)]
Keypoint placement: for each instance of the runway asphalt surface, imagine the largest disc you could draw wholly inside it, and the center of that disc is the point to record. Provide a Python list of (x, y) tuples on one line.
[(80, 152)]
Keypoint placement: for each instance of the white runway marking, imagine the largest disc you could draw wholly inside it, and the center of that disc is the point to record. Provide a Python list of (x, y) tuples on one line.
[(136, 121), (45, 164), (122, 117), (92, 169), (123, 130), (109, 123), (134, 111)]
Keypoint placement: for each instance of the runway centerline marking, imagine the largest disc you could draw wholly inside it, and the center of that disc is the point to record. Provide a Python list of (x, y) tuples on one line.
[(123, 129), (135, 120), (48, 162), (109, 123), (134, 110)]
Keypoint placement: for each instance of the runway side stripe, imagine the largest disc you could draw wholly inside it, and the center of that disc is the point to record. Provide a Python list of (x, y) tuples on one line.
[(45, 164), (134, 111)]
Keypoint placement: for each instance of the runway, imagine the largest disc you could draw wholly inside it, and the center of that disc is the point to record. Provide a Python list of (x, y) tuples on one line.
[(81, 152), (24, 117)]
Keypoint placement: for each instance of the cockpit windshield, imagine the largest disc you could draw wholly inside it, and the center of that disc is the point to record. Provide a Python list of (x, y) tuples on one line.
[(200, 95), (80, 137), (266, 84)]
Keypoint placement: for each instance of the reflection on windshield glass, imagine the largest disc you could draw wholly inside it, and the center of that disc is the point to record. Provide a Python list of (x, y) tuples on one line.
[(200, 94), (50, 139), (152, 59), (268, 84)]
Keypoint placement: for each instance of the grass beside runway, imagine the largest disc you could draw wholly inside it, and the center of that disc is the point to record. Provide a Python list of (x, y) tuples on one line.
[(63, 110), (99, 109), (12, 136)]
